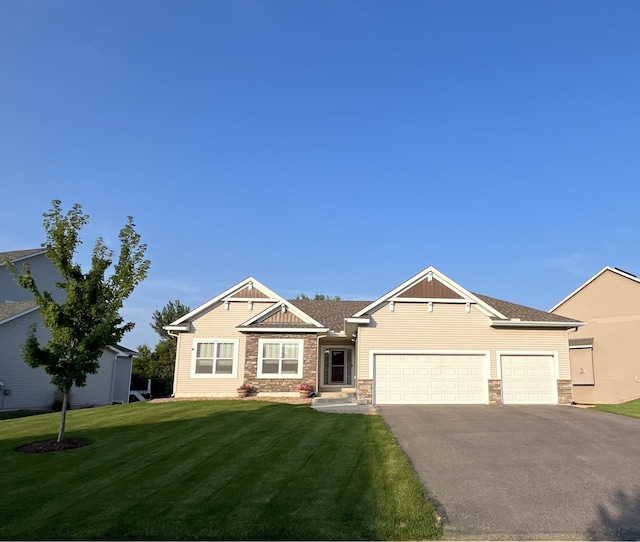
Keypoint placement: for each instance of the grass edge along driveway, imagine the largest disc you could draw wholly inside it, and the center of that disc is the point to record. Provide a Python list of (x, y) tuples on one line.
[(213, 470)]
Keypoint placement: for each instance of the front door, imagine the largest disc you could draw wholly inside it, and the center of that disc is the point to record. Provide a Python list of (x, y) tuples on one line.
[(337, 370)]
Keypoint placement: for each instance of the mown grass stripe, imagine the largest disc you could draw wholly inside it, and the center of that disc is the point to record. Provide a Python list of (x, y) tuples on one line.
[(212, 470)]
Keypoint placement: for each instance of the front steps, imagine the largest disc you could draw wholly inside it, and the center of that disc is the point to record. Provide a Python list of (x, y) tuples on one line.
[(335, 398)]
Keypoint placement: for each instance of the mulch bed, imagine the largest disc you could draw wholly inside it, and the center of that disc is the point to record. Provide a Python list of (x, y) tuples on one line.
[(52, 446)]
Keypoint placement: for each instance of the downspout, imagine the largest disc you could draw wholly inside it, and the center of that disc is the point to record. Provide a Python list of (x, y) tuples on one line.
[(175, 362)]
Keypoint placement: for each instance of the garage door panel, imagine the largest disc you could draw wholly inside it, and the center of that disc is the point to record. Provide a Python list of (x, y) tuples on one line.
[(528, 379), (430, 379)]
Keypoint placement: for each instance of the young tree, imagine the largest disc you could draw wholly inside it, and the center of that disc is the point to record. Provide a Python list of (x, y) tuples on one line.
[(169, 313), (88, 320)]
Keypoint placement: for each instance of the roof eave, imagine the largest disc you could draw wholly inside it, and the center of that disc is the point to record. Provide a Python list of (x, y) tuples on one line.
[(250, 329), (538, 324), (184, 327)]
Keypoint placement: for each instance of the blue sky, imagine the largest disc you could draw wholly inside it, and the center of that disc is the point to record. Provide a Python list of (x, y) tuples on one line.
[(334, 146)]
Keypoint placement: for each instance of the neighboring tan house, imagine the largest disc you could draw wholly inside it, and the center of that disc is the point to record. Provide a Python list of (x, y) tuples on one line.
[(22, 387), (605, 353), (428, 341)]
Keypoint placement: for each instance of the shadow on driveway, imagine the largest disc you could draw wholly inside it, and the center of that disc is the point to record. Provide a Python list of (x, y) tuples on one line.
[(525, 472)]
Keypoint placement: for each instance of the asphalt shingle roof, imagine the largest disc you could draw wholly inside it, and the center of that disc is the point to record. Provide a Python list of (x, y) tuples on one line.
[(527, 314), (7, 310), (329, 313), (332, 313), (17, 254)]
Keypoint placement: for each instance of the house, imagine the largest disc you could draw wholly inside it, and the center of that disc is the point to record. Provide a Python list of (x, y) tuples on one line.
[(429, 340), (22, 387), (605, 353)]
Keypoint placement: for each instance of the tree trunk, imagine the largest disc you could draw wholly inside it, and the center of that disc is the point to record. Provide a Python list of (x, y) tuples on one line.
[(63, 414)]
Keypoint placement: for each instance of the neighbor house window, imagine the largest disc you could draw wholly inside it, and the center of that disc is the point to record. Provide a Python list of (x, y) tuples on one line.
[(214, 358), (280, 358)]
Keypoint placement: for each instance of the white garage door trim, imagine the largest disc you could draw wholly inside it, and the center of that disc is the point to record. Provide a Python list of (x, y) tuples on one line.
[(553, 380), (486, 370)]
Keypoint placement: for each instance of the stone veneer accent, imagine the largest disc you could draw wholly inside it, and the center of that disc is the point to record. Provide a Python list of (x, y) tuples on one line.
[(280, 385), (565, 392), (495, 392), (364, 390)]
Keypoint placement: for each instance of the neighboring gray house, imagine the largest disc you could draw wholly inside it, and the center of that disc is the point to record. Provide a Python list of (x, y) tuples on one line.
[(22, 387)]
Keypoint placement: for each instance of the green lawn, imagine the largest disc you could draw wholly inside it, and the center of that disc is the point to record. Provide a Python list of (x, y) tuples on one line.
[(20, 414), (631, 408), (212, 470)]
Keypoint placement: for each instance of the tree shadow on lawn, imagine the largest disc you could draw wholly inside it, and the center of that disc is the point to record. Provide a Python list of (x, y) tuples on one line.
[(192, 470), (618, 519)]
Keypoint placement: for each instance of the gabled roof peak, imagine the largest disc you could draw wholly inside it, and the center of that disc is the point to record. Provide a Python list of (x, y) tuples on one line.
[(248, 283), (444, 288), (615, 270)]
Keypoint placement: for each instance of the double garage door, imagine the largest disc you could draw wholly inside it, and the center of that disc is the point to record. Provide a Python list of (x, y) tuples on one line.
[(461, 379)]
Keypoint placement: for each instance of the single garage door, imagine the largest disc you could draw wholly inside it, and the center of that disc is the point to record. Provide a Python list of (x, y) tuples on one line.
[(430, 379), (528, 380)]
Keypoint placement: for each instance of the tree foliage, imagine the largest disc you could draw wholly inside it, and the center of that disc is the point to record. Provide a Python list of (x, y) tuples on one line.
[(159, 364), (169, 313), (88, 320), (319, 297)]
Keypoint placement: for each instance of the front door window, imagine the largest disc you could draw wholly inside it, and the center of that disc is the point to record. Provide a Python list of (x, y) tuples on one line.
[(337, 367)]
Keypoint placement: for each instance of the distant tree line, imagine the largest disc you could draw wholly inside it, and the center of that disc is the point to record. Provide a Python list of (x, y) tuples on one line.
[(159, 364)]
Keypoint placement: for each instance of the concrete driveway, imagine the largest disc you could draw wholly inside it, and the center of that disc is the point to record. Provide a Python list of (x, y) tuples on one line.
[(525, 472)]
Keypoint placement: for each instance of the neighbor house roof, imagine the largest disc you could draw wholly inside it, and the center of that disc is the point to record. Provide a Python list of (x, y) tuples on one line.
[(13, 309), (15, 255), (123, 351)]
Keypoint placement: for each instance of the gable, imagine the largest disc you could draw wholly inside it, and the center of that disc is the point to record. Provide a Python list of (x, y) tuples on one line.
[(282, 316), (249, 292), (246, 291), (430, 288), (609, 293)]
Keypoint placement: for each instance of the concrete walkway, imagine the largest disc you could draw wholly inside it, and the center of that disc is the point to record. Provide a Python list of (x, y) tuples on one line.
[(347, 408)]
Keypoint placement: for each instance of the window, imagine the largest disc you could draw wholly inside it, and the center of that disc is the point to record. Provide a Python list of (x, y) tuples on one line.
[(214, 358), (280, 358)]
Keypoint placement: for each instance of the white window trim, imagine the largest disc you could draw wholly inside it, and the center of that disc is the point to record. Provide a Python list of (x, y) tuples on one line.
[(194, 351), (299, 342)]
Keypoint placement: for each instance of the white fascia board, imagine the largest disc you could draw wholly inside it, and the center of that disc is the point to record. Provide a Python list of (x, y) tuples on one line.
[(18, 315), (121, 353), (277, 307), (252, 299), (431, 300), (452, 285), (176, 328), (526, 323), (358, 320), (607, 268), (283, 329), (219, 298)]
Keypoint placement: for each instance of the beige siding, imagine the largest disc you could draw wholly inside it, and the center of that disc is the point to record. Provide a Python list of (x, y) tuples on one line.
[(450, 328), (610, 308), (581, 366), (217, 323)]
